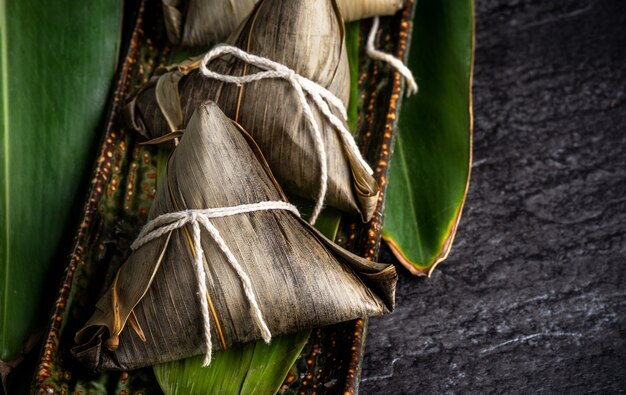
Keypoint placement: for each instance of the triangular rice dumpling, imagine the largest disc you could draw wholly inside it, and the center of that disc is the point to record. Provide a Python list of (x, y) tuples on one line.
[(300, 279), (203, 23), (308, 37)]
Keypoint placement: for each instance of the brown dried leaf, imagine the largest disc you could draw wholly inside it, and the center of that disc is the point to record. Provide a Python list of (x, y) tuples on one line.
[(306, 36), (300, 278)]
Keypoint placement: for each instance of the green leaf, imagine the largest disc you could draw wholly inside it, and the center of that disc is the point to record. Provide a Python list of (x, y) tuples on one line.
[(57, 62), (352, 47), (430, 167), (251, 368)]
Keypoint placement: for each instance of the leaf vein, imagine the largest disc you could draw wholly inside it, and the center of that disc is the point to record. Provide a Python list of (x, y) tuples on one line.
[(5, 190)]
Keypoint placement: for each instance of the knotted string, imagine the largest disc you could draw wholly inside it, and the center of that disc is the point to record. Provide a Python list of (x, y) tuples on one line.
[(321, 97), (392, 60), (165, 223)]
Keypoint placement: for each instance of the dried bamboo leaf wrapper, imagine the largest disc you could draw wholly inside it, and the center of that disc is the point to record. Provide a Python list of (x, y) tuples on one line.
[(353, 10), (301, 279), (269, 109), (203, 23)]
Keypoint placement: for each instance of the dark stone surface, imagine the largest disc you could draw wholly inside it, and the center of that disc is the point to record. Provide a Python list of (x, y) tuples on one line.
[(533, 296)]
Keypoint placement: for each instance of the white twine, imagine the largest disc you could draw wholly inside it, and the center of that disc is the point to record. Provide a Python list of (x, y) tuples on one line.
[(392, 60), (169, 222), (322, 98)]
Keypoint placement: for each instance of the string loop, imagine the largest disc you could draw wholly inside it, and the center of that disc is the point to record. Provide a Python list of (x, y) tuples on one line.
[(323, 99)]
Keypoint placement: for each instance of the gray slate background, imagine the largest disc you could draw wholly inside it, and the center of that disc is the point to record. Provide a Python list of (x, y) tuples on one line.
[(533, 296)]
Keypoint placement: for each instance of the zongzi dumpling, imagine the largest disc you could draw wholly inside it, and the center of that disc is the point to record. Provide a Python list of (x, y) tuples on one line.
[(297, 278), (203, 23), (306, 36)]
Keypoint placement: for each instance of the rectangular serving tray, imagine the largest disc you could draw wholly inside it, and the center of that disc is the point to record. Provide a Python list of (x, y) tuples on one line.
[(123, 186)]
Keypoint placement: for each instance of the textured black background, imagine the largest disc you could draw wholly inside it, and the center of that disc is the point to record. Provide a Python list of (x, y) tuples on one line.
[(533, 296)]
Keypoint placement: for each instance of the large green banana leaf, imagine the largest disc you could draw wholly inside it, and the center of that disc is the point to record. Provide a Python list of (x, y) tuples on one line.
[(57, 61), (431, 163)]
